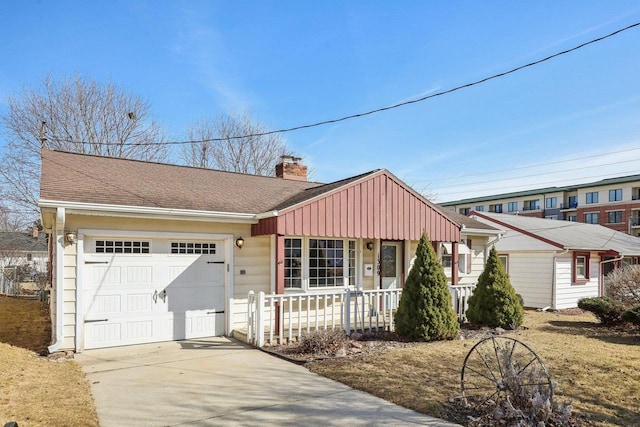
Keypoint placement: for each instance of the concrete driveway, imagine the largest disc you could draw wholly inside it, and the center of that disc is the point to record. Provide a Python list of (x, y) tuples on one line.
[(222, 382)]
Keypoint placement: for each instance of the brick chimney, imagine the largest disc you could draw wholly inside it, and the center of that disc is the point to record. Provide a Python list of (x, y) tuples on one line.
[(291, 168)]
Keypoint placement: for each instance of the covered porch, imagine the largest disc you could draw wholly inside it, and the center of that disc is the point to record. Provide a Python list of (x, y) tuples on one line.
[(283, 318)]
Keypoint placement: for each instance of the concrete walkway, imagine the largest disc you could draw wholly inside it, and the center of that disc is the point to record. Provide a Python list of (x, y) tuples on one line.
[(222, 382)]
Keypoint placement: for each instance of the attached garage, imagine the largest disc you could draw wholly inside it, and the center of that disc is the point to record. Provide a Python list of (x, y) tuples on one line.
[(140, 289)]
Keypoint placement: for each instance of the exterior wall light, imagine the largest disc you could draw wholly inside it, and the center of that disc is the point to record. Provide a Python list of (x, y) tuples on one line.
[(70, 237), (369, 245), (239, 242)]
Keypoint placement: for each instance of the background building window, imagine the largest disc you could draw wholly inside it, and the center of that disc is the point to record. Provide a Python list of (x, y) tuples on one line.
[(573, 218), (591, 218), (551, 202), (614, 217), (531, 205), (615, 195), (496, 208), (513, 206), (592, 197), (479, 208)]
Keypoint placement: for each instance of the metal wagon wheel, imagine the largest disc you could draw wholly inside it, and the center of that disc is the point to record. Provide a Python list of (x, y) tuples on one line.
[(500, 367)]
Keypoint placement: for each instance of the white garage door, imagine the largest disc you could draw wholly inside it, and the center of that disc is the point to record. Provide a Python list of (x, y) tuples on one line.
[(147, 290)]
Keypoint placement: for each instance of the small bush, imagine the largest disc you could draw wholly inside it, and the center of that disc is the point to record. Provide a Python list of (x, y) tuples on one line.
[(606, 309), (623, 284), (494, 301), (632, 315), (323, 342)]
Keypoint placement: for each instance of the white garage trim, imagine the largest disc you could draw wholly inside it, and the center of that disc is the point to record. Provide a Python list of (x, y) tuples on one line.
[(228, 255), (97, 209)]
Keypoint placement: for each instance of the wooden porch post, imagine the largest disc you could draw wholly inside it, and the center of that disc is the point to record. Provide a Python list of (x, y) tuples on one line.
[(454, 263), (279, 276), (279, 264)]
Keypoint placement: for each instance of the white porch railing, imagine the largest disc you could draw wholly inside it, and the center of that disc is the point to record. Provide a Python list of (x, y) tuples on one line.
[(279, 318), (460, 297)]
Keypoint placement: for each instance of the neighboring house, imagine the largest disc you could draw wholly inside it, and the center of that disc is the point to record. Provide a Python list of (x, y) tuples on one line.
[(476, 239), (555, 263), (613, 203), (146, 252), (18, 249)]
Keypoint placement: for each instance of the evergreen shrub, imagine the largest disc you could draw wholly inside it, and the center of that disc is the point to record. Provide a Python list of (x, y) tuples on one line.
[(494, 301), (425, 311)]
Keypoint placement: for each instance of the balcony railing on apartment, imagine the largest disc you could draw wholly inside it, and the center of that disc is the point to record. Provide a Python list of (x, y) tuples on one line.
[(280, 318), (531, 208), (573, 205)]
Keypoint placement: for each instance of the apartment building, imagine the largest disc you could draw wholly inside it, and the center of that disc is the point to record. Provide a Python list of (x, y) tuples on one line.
[(612, 202)]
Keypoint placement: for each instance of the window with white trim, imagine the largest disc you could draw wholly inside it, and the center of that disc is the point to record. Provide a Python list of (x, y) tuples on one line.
[(581, 271), (319, 263), (122, 247), (592, 197), (513, 206), (326, 263), (292, 263), (445, 259), (198, 248), (504, 260)]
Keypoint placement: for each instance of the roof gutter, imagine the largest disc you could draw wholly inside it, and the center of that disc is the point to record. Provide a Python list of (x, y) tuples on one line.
[(149, 212), (58, 232)]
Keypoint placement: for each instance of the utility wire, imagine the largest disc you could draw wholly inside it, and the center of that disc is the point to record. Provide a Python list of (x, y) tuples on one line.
[(607, 175), (493, 171), (378, 110), (466, 184)]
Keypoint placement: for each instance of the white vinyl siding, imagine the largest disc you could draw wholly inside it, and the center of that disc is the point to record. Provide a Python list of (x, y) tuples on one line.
[(531, 275), (568, 294)]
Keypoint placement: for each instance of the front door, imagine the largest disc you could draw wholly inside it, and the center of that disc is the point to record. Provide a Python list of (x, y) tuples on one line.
[(391, 265)]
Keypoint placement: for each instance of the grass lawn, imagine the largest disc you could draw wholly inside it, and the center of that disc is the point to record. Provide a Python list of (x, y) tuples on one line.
[(37, 391), (597, 368)]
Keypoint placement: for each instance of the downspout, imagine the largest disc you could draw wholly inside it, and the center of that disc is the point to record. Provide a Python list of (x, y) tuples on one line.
[(489, 244), (554, 281), (59, 282), (601, 290)]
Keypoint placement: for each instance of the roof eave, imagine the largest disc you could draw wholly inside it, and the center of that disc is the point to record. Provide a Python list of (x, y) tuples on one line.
[(481, 231), (97, 209)]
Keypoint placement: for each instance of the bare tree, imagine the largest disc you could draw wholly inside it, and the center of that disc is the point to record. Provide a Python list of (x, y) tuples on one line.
[(252, 153), (81, 115)]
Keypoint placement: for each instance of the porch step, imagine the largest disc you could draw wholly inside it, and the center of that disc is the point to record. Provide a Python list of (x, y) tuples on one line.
[(241, 335)]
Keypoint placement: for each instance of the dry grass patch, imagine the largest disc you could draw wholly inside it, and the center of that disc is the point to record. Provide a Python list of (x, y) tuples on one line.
[(34, 390), (24, 323), (595, 367)]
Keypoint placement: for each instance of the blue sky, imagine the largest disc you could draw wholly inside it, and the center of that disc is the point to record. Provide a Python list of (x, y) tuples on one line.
[(570, 120)]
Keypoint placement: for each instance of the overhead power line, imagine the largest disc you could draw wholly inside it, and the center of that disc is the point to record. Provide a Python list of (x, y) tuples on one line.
[(535, 165), (377, 110), (466, 184), (537, 185)]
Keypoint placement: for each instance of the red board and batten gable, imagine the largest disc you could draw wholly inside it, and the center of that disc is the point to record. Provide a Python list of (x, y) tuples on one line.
[(376, 205)]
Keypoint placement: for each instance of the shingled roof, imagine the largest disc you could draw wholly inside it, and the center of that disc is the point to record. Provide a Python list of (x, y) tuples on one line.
[(13, 241), (82, 178), (568, 234)]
